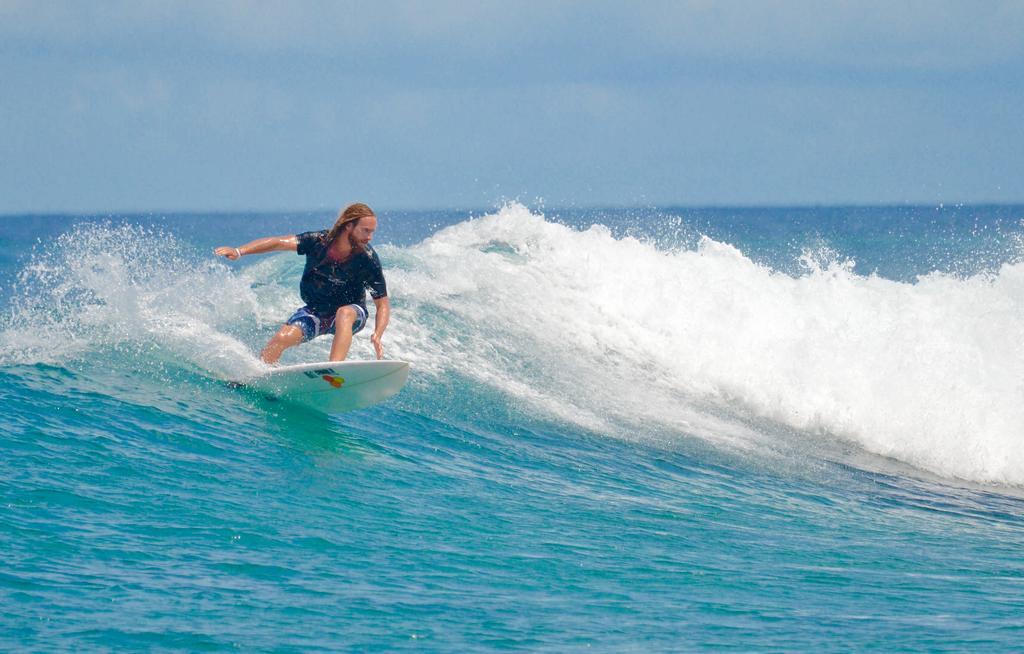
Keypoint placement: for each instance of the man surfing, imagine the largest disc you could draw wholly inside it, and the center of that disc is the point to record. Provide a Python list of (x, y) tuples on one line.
[(340, 266)]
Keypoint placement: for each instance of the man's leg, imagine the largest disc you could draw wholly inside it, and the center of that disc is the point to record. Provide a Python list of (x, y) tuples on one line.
[(343, 321), (286, 337)]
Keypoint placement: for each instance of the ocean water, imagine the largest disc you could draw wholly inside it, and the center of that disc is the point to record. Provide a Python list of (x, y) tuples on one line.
[(626, 430)]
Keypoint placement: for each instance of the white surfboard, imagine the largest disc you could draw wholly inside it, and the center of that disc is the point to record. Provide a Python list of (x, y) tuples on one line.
[(332, 386)]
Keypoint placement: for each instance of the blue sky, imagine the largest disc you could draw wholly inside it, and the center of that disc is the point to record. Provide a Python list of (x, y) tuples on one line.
[(136, 106)]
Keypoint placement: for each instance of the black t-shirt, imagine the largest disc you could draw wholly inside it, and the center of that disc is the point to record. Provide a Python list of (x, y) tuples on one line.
[(327, 285)]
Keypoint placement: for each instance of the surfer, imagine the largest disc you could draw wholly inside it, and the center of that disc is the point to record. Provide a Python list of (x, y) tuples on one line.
[(340, 266)]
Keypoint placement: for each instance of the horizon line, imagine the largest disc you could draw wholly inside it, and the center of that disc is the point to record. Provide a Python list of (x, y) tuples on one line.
[(539, 205)]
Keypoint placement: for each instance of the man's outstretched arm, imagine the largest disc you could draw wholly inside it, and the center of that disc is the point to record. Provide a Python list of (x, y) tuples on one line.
[(259, 246)]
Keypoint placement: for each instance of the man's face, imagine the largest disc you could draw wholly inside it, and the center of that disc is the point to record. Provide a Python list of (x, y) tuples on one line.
[(362, 232)]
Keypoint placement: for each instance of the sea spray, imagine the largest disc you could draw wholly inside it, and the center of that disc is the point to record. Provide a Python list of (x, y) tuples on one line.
[(102, 288)]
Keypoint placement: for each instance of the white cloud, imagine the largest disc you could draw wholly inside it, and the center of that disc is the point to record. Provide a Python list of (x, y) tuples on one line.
[(927, 35), (915, 35)]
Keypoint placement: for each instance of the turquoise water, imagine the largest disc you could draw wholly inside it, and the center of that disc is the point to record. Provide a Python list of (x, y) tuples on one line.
[(625, 430)]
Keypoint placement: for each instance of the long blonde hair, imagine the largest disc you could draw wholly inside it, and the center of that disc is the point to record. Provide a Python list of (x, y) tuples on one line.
[(350, 214)]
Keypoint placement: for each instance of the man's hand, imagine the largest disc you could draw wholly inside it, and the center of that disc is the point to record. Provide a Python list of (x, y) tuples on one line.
[(375, 339), (228, 252)]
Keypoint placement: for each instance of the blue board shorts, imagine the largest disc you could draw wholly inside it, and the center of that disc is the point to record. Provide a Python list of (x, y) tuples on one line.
[(315, 324)]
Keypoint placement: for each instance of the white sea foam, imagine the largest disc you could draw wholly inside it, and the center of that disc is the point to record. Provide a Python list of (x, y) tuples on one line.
[(614, 331)]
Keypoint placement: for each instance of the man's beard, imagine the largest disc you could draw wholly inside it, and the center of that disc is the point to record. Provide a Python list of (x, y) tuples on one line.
[(354, 244)]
